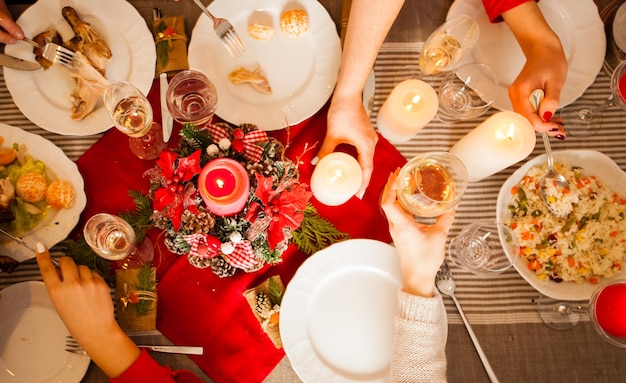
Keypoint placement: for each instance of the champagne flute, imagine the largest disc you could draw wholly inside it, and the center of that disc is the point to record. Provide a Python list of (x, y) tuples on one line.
[(431, 184), (191, 98), (584, 117), (447, 45), (112, 238), (467, 92), (606, 309), (132, 115)]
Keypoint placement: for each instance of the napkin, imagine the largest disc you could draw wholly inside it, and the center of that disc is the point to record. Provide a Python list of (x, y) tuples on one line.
[(171, 44), (197, 307)]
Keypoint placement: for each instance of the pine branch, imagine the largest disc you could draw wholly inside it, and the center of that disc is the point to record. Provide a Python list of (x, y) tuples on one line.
[(316, 233), (82, 254), (140, 218), (146, 281), (275, 291)]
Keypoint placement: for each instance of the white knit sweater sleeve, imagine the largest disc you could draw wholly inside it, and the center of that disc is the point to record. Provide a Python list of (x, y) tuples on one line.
[(420, 340)]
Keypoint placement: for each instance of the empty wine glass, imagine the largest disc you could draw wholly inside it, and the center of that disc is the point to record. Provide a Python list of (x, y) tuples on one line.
[(431, 183), (606, 309), (480, 248), (191, 98), (467, 92), (112, 238), (584, 117), (131, 113), (448, 44)]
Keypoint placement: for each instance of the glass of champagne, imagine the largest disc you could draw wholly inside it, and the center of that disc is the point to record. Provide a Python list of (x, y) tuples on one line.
[(467, 92), (112, 238), (584, 117), (447, 45), (606, 309), (132, 115), (191, 98), (432, 183)]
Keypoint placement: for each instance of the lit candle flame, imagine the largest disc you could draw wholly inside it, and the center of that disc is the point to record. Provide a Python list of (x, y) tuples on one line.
[(338, 175), (506, 134), (220, 183), (412, 105)]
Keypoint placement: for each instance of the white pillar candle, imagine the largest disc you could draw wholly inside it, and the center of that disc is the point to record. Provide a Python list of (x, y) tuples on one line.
[(410, 106), (336, 178), (499, 142)]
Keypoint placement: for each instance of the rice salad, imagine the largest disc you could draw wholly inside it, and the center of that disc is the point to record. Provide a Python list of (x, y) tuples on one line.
[(587, 244)]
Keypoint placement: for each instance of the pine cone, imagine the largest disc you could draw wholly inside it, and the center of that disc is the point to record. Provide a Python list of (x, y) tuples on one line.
[(198, 262), (202, 223), (263, 305), (221, 268)]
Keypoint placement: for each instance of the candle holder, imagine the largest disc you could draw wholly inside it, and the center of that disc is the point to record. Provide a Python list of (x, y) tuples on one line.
[(336, 178), (431, 184), (224, 186)]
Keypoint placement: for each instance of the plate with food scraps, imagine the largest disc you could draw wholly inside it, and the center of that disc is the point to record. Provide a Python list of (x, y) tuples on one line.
[(566, 258), (56, 224), (337, 313), (43, 96), (32, 338), (576, 22), (301, 71)]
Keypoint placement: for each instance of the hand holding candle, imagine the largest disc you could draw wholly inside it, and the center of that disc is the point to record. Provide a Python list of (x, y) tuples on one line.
[(411, 105), (224, 186), (499, 142), (336, 178)]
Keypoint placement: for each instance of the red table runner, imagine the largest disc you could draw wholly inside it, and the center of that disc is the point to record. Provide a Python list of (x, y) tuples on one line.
[(195, 307)]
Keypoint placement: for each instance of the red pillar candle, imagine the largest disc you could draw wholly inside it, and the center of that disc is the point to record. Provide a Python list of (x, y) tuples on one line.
[(224, 186)]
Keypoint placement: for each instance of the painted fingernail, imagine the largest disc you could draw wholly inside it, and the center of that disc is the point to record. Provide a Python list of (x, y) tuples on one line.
[(554, 129), (360, 195), (315, 160), (560, 137), (547, 116), (40, 247)]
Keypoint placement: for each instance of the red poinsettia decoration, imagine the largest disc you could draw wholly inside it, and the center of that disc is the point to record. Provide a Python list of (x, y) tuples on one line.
[(284, 207), (178, 193)]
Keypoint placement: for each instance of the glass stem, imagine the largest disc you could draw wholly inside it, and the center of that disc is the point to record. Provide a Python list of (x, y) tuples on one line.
[(588, 113)]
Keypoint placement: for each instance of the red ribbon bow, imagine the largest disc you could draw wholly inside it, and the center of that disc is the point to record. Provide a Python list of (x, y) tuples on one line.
[(242, 257), (200, 246), (251, 151)]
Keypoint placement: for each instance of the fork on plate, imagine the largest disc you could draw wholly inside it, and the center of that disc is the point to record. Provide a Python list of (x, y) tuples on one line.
[(225, 31), (59, 55)]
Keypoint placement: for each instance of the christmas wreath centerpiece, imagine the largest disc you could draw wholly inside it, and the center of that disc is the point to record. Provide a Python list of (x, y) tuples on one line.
[(228, 198)]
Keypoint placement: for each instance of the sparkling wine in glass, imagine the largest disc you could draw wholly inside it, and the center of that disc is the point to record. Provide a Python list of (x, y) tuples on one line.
[(191, 98), (584, 117), (447, 45), (131, 113), (431, 183), (112, 238)]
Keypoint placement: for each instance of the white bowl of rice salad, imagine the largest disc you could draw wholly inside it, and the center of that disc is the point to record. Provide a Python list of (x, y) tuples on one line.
[(566, 258)]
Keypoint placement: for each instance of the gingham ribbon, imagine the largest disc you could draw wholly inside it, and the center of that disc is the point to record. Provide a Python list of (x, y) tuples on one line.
[(251, 151), (243, 256), (200, 247)]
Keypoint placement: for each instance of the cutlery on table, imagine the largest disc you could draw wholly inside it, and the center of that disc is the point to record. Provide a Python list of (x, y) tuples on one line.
[(225, 31), (58, 55), (71, 345), (167, 121), (447, 285), (17, 63), (21, 242)]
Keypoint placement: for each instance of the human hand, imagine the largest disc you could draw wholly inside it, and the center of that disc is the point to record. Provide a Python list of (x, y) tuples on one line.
[(348, 123), (11, 32), (421, 248)]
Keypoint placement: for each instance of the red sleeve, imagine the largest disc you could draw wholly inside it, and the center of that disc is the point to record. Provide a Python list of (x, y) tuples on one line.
[(495, 8), (147, 370)]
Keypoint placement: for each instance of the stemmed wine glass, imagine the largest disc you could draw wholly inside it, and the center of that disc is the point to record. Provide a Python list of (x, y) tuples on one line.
[(112, 238), (467, 92), (448, 44), (131, 113), (607, 311), (191, 98), (585, 119)]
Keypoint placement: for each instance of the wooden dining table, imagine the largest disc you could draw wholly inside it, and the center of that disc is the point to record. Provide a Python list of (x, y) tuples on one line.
[(502, 309)]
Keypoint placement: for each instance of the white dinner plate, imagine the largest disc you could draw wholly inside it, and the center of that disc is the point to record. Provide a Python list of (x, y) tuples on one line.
[(301, 71), (32, 339), (57, 224), (576, 22), (43, 96), (593, 163), (337, 314)]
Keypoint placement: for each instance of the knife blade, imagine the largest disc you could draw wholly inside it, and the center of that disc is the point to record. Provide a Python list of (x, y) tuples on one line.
[(23, 243), (17, 63), (189, 350), (167, 120)]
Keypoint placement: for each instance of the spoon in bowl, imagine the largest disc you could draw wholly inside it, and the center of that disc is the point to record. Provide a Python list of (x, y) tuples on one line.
[(550, 195)]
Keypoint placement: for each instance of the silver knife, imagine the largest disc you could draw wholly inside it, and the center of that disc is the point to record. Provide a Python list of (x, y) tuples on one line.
[(189, 350), (17, 63), (166, 118), (21, 242)]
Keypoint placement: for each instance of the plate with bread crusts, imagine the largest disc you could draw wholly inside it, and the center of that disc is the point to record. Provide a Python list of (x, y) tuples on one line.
[(288, 70), (51, 97)]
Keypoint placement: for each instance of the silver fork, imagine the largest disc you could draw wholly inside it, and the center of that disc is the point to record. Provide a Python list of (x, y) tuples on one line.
[(58, 55), (71, 345), (447, 285), (225, 31)]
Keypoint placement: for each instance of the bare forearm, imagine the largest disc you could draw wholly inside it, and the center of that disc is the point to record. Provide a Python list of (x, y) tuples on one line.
[(530, 27), (113, 351)]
